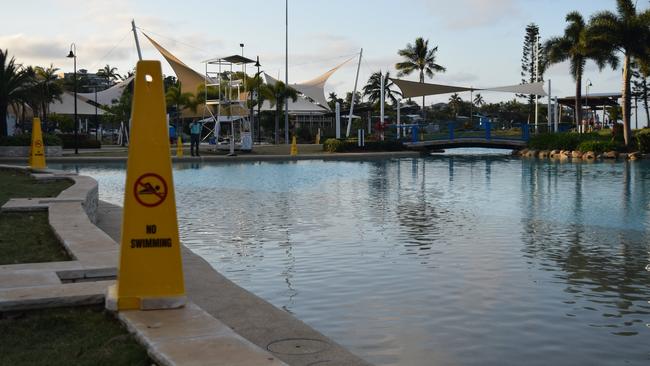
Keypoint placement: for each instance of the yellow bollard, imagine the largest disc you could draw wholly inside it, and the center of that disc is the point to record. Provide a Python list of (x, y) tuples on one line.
[(37, 148), (150, 274), (294, 146), (318, 137), (179, 147)]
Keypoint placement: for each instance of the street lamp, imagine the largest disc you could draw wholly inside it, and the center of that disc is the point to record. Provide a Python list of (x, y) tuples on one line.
[(588, 84), (73, 55), (259, 84)]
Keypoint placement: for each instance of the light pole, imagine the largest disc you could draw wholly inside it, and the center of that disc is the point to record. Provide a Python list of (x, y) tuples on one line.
[(259, 84), (587, 86), (73, 55), (96, 119), (286, 72)]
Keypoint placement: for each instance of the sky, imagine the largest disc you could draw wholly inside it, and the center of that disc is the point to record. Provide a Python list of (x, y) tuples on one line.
[(479, 41)]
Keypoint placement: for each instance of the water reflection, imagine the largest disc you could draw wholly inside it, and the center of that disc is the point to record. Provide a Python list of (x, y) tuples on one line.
[(452, 260)]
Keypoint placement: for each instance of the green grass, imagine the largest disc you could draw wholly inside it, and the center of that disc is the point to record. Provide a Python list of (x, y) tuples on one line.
[(67, 336), (26, 237), (17, 184)]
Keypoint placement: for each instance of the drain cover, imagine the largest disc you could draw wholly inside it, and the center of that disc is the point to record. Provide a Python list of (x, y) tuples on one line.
[(297, 346)]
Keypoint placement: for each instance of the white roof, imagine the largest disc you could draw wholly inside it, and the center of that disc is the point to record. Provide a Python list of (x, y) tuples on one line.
[(66, 106), (106, 97)]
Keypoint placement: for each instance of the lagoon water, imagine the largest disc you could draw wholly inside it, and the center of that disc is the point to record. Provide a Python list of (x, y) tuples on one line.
[(448, 260)]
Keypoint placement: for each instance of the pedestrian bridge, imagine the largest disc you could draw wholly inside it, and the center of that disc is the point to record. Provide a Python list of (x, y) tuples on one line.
[(415, 137)]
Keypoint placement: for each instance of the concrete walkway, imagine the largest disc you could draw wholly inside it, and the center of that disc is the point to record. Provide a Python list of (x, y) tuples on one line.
[(266, 326)]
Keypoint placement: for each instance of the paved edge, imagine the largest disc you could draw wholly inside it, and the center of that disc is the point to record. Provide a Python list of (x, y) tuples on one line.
[(231, 159), (250, 316)]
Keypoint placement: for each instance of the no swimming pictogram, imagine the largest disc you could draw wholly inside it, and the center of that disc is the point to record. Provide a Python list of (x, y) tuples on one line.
[(150, 190)]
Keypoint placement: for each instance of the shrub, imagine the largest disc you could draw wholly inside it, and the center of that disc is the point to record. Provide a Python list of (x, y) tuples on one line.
[(565, 141), (643, 140), (597, 146), (25, 139), (85, 141), (339, 146)]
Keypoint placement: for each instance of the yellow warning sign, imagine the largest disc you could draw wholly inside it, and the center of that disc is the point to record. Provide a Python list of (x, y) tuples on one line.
[(37, 148), (150, 272), (179, 147), (294, 146)]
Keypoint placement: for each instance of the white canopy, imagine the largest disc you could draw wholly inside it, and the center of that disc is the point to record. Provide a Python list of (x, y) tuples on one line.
[(411, 89), (66, 106), (301, 105), (108, 96), (532, 88)]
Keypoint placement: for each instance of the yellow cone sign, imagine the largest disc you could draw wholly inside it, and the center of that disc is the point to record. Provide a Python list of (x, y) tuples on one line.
[(37, 148), (179, 147), (294, 147), (150, 272)]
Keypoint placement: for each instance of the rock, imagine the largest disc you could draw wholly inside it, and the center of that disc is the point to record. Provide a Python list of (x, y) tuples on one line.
[(521, 152), (531, 153), (543, 154), (610, 155), (634, 156), (589, 155), (554, 154), (576, 154)]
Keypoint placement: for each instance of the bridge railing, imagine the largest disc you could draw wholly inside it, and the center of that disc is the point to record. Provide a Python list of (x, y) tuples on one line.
[(451, 131)]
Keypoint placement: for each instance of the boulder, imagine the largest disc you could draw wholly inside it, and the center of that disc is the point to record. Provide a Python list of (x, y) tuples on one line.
[(521, 152), (610, 155), (531, 153), (576, 154), (543, 154), (634, 155), (589, 155), (554, 154)]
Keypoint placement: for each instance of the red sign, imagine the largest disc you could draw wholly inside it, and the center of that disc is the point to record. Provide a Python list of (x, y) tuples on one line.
[(150, 190)]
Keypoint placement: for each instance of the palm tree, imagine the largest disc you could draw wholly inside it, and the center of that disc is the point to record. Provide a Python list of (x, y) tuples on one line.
[(13, 80), (276, 94), (109, 73), (333, 99), (180, 100), (48, 87), (577, 47), (372, 89), (454, 103), (627, 32), (478, 100), (419, 57)]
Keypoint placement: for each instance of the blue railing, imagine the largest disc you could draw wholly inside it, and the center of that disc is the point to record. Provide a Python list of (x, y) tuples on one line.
[(416, 133)]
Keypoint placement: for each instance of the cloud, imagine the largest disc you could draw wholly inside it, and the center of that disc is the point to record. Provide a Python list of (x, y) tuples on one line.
[(463, 14)]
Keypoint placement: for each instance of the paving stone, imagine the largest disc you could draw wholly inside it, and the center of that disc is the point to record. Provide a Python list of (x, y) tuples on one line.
[(24, 204), (68, 294), (27, 278)]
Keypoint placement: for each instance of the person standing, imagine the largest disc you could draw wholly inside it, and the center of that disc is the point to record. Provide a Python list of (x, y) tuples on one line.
[(195, 137)]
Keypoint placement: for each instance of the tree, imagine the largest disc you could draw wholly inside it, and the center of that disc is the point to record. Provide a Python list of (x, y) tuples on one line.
[(419, 57), (13, 80), (180, 100), (532, 62), (109, 73), (577, 47), (640, 86), (333, 99), (627, 32), (478, 100), (48, 89), (372, 89), (455, 103), (276, 95)]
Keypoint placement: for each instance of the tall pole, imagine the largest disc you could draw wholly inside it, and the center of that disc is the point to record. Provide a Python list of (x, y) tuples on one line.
[(536, 80), (76, 121), (137, 42), (286, 71), (354, 93), (338, 119), (549, 112), (381, 102), (259, 116), (96, 119)]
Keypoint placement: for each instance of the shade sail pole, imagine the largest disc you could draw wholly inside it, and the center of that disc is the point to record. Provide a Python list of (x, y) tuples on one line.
[(550, 112), (137, 42), (286, 72), (356, 80), (382, 96)]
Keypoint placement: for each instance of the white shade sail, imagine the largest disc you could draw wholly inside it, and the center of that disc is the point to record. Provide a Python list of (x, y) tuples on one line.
[(412, 89), (532, 88)]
